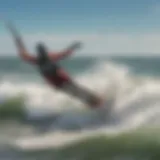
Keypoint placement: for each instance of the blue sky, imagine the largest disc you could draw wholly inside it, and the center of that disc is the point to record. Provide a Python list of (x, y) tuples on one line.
[(104, 26)]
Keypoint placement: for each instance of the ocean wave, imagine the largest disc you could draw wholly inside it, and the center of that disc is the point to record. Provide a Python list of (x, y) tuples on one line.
[(133, 145), (12, 108), (139, 144), (136, 98)]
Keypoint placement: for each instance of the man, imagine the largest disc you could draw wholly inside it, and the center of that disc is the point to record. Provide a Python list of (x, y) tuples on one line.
[(49, 68)]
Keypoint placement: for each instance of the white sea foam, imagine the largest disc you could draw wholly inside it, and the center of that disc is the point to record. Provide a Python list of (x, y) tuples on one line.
[(137, 99)]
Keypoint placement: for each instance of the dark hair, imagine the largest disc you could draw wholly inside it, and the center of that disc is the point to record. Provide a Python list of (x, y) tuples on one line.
[(42, 53)]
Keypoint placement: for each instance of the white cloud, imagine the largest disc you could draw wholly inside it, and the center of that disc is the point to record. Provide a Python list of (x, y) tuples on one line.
[(125, 43)]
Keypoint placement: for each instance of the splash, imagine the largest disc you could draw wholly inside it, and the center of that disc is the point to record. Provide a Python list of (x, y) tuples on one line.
[(136, 98)]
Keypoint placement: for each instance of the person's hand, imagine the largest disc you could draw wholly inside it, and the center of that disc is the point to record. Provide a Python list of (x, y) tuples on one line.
[(13, 30), (75, 45)]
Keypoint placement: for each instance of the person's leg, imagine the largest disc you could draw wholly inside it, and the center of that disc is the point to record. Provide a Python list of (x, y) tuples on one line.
[(83, 94)]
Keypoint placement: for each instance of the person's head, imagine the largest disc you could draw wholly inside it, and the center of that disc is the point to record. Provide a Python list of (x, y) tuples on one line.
[(42, 53)]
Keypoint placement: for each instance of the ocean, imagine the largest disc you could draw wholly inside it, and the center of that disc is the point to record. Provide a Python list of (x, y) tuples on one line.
[(38, 122)]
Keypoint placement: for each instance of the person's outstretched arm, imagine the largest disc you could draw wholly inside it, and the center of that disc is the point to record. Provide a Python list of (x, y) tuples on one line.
[(23, 53), (66, 53)]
